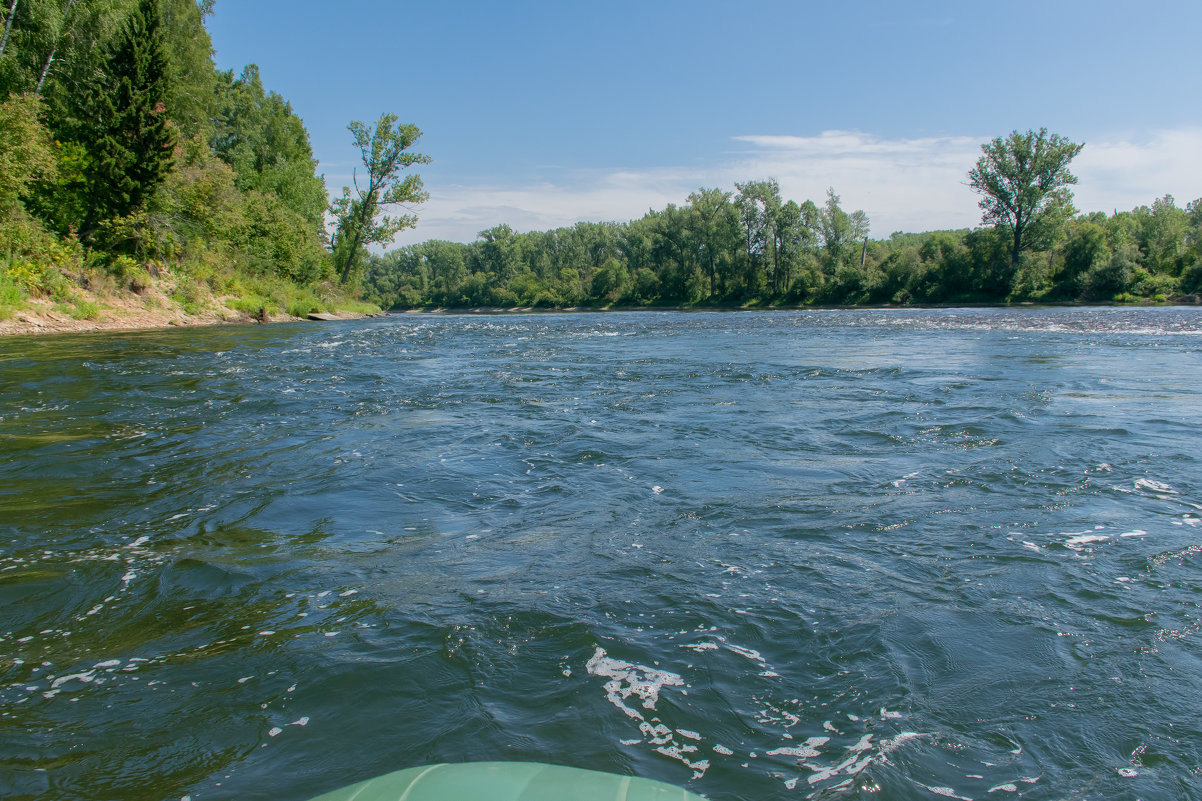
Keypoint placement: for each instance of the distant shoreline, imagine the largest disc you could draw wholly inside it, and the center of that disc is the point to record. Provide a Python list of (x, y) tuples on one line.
[(47, 322), (1187, 301)]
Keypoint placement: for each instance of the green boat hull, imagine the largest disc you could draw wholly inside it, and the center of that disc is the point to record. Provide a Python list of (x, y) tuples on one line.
[(506, 781)]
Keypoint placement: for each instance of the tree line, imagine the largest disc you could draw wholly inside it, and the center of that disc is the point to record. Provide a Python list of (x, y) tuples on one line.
[(126, 154), (751, 247)]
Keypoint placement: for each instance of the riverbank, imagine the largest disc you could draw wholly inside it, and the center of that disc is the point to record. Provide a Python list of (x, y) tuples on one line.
[(1180, 300), (151, 308), (155, 309)]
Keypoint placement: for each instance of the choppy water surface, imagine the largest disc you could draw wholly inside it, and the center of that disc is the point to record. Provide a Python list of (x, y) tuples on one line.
[(889, 555)]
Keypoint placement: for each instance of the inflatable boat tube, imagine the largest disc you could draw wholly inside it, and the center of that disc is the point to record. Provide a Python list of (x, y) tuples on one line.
[(506, 781)]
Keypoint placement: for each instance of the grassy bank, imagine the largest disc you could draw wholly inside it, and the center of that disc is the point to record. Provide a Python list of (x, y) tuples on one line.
[(53, 284)]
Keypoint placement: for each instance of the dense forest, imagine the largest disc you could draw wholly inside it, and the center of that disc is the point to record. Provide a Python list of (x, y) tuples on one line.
[(128, 160), (750, 247)]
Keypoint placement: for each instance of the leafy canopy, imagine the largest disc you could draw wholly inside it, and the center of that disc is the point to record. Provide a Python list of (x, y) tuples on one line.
[(1023, 182), (384, 148)]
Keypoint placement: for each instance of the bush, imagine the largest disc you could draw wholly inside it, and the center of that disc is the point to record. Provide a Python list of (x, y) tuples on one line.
[(302, 306), (1111, 277), (12, 296), (85, 310), (1191, 279)]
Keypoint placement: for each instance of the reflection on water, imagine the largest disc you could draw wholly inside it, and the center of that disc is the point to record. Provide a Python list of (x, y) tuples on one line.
[(887, 554)]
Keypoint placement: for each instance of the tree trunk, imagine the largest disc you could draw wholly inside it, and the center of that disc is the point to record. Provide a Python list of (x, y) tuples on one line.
[(8, 25), (350, 256), (54, 48)]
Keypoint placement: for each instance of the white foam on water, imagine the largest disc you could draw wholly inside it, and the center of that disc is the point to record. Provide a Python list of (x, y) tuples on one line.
[(1128, 773), (85, 678), (700, 647), (948, 792), (1154, 486), (275, 730), (692, 735), (721, 749), (863, 745), (300, 722), (887, 746), (857, 759), (790, 784), (1139, 532), (139, 541), (809, 750), (627, 679), (749, 653), (1004, 788), (108, 663), (1080, 540)]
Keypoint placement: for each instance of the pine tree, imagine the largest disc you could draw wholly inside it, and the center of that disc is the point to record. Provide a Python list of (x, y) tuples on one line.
[(133, 141)]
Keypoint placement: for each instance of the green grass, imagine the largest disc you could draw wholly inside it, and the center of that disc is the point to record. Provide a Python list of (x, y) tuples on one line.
[(12, 295), (85, 310)]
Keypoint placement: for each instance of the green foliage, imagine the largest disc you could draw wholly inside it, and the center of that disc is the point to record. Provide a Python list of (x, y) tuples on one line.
[(266, 144), (1111, 277), (34, 258), (191, 81), (122, 133), (26, 149), (699, 254), (131, 133), (1023, 182), (384, 150), (85, 310), (12, 297)]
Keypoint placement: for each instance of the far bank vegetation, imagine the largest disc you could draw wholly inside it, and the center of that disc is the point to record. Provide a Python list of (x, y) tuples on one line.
[(752, 247)]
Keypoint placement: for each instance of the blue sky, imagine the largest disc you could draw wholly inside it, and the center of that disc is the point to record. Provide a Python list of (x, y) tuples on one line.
[(538, 114)]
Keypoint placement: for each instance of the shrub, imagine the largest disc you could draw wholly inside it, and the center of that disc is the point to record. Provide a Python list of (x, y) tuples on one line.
[(85, 310), (302, 306)]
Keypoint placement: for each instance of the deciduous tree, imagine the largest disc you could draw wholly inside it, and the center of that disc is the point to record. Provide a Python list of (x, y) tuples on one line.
[(384, 148), (26, 149), (1023, 182)]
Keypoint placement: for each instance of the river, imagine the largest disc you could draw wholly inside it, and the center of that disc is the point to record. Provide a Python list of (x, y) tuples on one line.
[(902, 554)]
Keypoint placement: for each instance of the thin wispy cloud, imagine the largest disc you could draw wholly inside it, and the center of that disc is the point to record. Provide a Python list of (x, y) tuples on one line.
[(914, 184)]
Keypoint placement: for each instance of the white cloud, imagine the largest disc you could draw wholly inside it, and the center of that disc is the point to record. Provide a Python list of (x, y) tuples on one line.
[(903, 184), (1124, 173)]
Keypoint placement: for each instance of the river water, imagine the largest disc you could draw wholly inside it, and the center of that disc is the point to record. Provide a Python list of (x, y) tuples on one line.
[(828, 554)]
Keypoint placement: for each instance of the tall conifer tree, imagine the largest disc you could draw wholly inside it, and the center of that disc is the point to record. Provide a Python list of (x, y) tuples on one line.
[(133, 142)]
